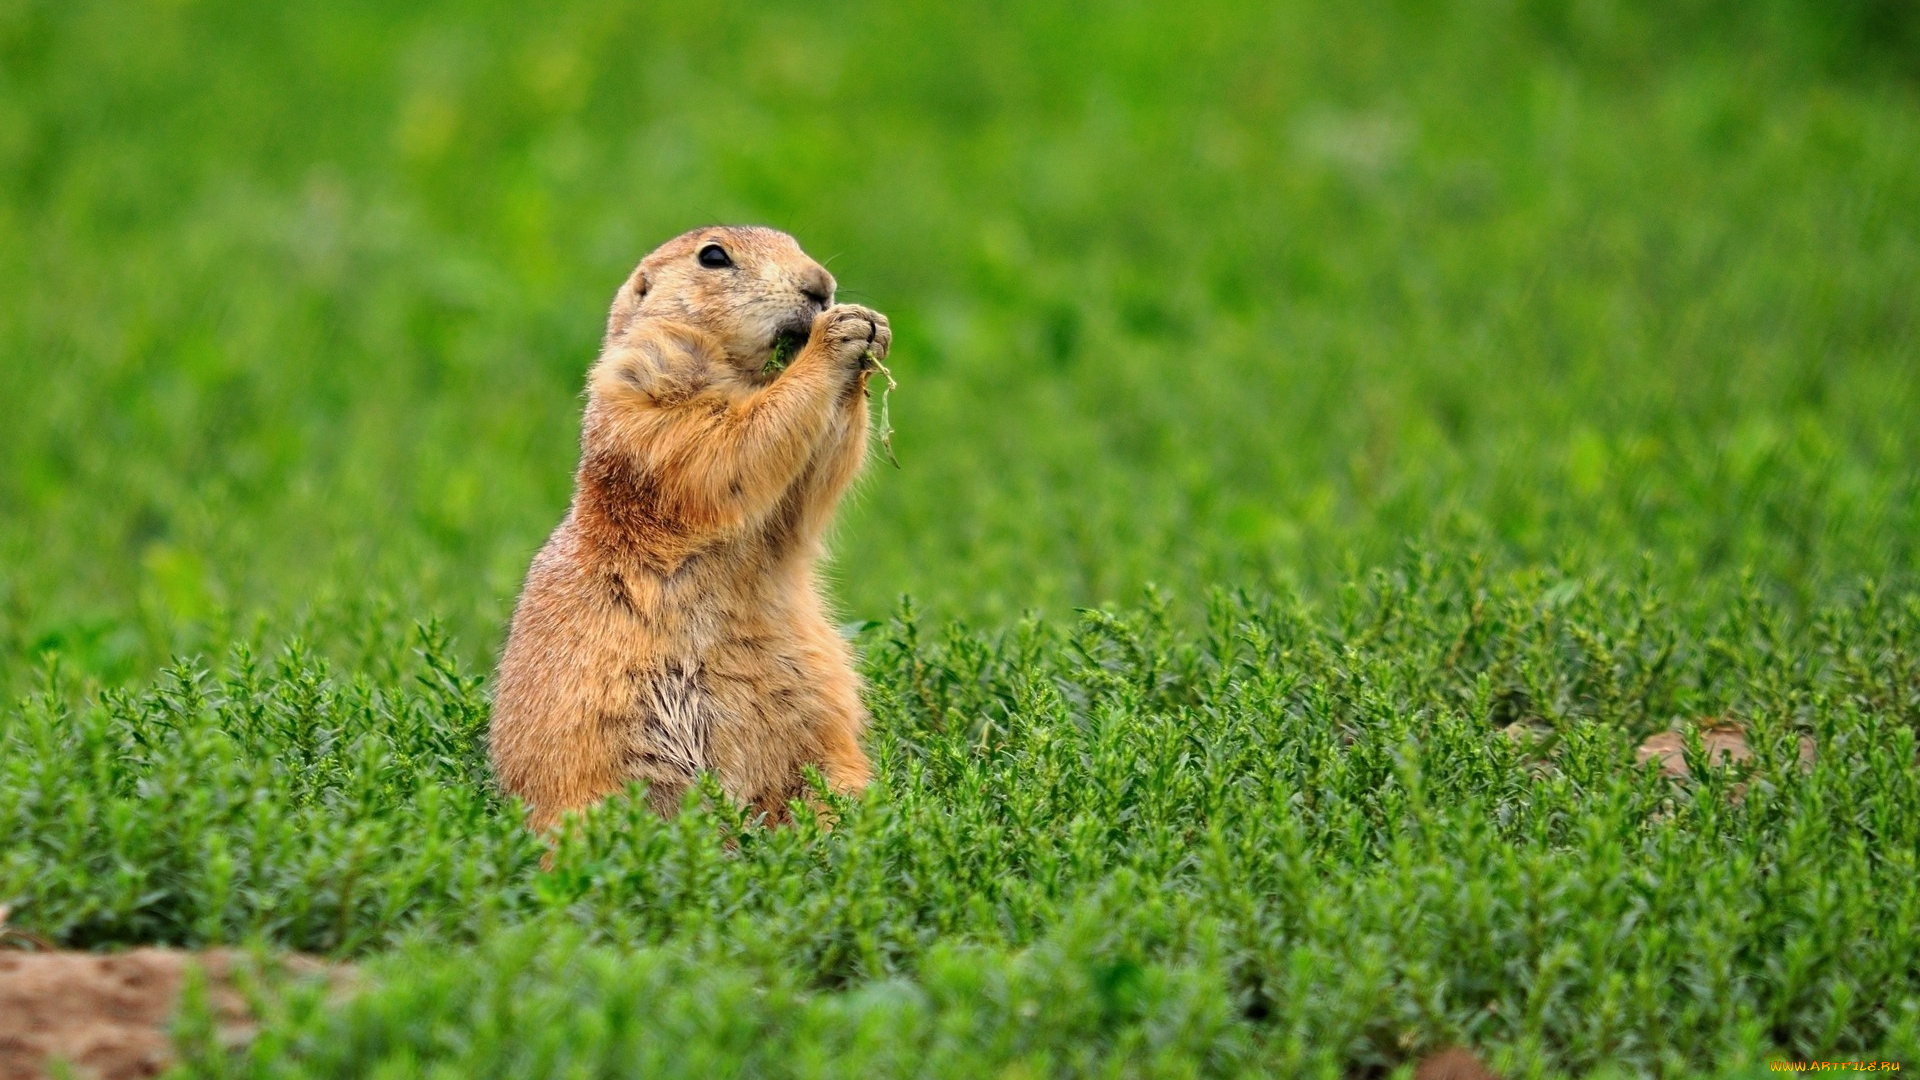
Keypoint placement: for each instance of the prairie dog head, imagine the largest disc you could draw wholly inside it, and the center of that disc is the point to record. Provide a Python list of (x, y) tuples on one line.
[(743, 286)]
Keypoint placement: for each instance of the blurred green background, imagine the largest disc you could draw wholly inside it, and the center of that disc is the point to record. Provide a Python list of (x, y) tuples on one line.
[(1609, 309), (296, 300)]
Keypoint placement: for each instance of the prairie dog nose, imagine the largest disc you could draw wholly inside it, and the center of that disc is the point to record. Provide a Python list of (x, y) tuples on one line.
[(817, 286)]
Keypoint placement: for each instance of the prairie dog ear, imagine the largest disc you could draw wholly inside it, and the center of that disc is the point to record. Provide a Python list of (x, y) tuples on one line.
[(626, 303)]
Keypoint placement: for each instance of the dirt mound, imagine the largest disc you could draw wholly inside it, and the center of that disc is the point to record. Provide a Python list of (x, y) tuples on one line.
[(1723, 742), (107, 1015), (1454, 1064)]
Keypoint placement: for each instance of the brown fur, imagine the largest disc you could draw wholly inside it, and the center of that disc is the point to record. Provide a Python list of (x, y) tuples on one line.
[(673, 622)]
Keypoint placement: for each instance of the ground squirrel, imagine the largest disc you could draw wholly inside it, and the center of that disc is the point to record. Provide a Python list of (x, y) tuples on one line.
[(673, 622)]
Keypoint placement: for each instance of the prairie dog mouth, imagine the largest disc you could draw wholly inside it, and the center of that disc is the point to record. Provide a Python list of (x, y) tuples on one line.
[(787, 343)]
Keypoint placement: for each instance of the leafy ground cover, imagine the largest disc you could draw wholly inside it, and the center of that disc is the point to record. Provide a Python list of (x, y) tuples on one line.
[(1300, 842), (1489, 388)]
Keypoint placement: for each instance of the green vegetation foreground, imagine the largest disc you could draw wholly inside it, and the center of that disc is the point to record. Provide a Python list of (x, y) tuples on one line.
[(1517, 382)]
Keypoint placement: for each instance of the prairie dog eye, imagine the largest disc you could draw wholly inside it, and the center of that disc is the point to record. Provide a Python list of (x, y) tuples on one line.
[(714, 257)]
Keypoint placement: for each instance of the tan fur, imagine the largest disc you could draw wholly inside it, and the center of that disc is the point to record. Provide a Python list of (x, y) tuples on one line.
[(673, 622)]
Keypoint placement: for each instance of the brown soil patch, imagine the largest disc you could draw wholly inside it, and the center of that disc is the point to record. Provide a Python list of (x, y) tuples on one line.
[(1725, 744), (107, 1015), (1454, 1064)]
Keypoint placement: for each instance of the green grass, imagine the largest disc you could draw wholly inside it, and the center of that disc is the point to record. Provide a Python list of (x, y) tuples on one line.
[(1458, 373), (1296, 843)]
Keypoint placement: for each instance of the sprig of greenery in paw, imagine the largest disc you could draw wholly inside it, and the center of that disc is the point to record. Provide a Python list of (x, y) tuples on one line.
[(886, 419)]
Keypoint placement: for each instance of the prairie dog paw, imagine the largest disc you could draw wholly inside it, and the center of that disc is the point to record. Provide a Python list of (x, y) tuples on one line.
[(848, 332)]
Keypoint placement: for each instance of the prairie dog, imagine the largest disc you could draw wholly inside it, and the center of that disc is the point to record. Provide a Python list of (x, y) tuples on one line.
[(673, 622)]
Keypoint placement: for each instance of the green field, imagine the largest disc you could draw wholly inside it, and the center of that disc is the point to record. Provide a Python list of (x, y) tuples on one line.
[(1333, 436)]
